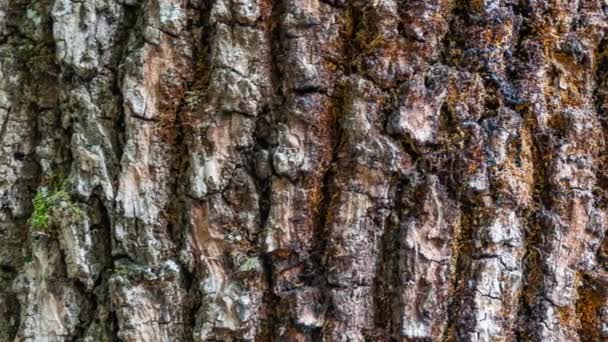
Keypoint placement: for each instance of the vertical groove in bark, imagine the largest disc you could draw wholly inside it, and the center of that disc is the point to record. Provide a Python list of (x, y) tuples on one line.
[(498, 191), (301, 142)]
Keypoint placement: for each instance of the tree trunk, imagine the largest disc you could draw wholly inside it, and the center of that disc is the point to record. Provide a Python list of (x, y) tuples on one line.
[(303, 170)]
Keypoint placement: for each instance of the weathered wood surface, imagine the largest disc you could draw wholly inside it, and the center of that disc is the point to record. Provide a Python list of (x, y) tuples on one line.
[(303, 170)]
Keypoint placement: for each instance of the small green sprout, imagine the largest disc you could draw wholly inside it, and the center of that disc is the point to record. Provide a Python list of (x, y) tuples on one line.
[(41, 216), (47, 204)]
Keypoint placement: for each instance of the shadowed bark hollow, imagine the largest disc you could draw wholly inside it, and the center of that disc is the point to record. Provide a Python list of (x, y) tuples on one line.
[(303, 170)]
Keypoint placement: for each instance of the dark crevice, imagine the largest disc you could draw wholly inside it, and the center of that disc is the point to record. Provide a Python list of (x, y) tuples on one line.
[(463, 55), (126, 30), (264, 127), (462, 251), (601, 106), (183, 129), (386, 280)]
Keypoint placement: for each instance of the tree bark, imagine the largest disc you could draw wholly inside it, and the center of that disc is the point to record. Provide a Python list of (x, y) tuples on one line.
[(303, 170)]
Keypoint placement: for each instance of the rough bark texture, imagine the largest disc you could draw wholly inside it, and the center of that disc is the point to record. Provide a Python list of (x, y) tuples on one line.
[(303, 170)]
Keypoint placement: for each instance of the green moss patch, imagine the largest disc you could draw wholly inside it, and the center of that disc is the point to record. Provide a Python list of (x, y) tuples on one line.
[(51, 205)]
